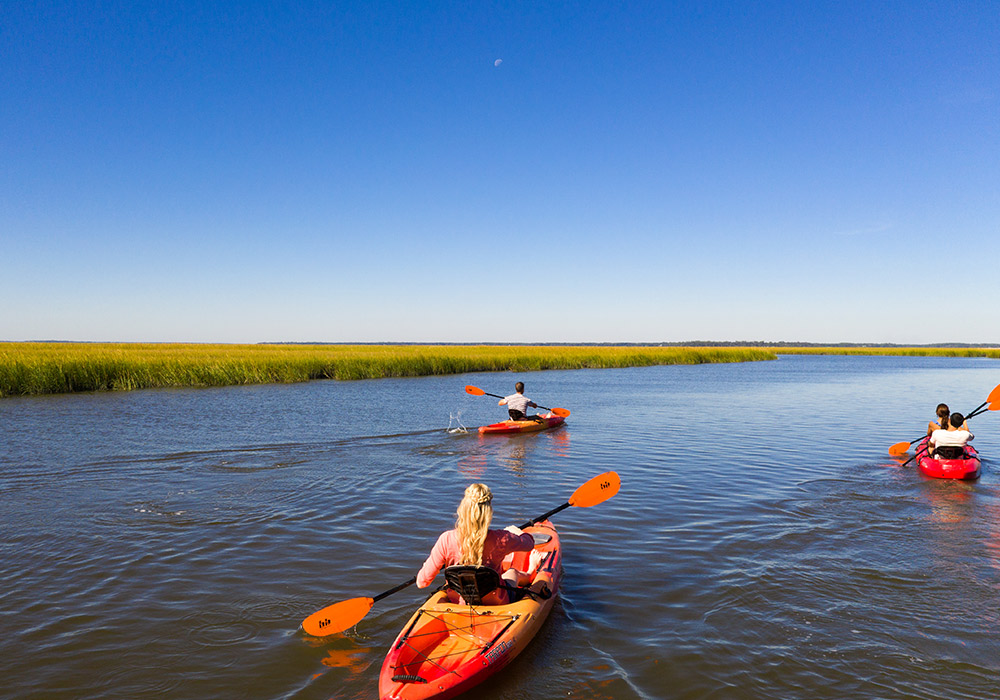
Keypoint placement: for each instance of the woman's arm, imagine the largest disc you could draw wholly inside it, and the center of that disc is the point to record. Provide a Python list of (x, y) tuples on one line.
[(435, 562)]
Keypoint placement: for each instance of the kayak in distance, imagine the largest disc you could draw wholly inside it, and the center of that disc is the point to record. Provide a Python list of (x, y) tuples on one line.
[(544, 422), (447, 647), (967, 467)]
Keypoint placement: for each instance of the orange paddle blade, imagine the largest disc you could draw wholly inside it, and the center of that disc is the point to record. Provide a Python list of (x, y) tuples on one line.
[(474, 390), (337, 617), (899, 449), (994, 396), (597, 490), (564, 412)]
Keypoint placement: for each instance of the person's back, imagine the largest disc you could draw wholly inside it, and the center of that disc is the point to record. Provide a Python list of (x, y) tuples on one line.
[(473, 543), (949, 442), (517, 404)]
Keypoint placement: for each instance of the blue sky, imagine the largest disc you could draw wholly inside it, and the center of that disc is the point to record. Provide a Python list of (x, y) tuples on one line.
[(366, 172)]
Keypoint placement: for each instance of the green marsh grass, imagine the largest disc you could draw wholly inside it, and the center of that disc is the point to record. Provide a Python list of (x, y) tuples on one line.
[(890, 351), (53, 368)]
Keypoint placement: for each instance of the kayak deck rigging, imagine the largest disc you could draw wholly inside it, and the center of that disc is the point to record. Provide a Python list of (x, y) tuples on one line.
[(462, 636)]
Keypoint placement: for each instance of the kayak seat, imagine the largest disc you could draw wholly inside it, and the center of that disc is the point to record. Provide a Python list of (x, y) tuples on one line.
[(473, 583), (949, 452)]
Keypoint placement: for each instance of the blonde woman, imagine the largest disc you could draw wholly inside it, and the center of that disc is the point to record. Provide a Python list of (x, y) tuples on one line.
[(472, 542)]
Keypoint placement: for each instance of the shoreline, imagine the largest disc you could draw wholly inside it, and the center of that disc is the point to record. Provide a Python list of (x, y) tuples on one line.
[(39, 368)]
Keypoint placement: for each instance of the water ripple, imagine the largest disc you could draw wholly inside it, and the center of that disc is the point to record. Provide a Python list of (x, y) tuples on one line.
[(176, 558)]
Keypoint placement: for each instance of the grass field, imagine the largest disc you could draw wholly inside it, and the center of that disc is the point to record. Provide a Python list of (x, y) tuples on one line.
[(53, 368), (914, 352)]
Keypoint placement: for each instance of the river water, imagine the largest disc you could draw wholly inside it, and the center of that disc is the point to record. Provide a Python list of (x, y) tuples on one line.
[(167, 543)]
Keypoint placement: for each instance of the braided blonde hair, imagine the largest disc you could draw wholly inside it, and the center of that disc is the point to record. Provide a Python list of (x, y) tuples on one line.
[(472, 522)]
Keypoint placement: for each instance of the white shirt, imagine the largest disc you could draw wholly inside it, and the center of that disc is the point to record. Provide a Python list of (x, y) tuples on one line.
[(945, 438), (518, 402)]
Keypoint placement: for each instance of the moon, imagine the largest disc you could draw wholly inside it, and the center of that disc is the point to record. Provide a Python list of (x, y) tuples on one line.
[(498, 62)]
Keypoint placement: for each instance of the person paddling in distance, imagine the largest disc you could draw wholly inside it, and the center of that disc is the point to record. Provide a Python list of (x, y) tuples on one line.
[(949, 442), (518, 404), (472, 542)]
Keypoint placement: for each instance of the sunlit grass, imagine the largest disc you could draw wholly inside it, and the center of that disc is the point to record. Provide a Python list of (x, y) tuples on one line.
[(52, 368), (890, 351)]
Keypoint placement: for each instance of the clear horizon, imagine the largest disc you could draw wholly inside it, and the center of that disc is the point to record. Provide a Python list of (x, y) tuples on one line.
[(525, 173)]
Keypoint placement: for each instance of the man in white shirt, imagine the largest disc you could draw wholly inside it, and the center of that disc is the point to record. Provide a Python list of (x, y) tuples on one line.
[(950, 443), (518, 404)]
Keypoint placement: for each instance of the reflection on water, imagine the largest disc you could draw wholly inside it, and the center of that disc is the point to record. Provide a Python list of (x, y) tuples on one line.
[(168, 543), (950, 501)]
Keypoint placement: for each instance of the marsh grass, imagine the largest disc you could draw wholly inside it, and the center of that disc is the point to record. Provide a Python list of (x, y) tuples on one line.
[(891, 351), (53, 368)]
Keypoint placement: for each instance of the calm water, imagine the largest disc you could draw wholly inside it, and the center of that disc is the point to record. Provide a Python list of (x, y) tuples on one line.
[(166, 544)]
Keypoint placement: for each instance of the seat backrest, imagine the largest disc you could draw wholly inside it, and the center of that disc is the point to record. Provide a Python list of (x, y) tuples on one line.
[(473, 583), (950, 452)]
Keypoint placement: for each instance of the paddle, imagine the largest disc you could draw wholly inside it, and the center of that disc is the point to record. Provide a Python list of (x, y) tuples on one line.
[(992, 403), (995, 406), (919, 452), (347, 613), (901, 448), (476, 391)]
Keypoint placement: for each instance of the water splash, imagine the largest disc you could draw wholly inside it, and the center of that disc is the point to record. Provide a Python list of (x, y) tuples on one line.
[(455, 424)]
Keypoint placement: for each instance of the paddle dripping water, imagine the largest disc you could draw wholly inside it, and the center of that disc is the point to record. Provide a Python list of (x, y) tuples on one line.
[(166, 544)]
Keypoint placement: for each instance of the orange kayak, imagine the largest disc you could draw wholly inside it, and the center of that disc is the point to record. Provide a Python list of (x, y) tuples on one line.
[(547, 421), (447, 648)]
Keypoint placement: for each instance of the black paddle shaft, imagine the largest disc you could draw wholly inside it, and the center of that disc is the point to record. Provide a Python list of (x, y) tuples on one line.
[(540, 518), (544, 408), (398, 588), (979, 409), (919, 452)]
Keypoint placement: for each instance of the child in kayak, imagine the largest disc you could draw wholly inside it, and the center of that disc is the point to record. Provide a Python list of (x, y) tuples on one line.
[(473, 542), (949, 443), (517, 404)]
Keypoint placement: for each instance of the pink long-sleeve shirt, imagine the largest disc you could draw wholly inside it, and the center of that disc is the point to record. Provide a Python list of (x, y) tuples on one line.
[(448, 551)]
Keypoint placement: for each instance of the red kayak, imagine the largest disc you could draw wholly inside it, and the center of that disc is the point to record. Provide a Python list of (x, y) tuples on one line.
[(544, 422), (964, 468)]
